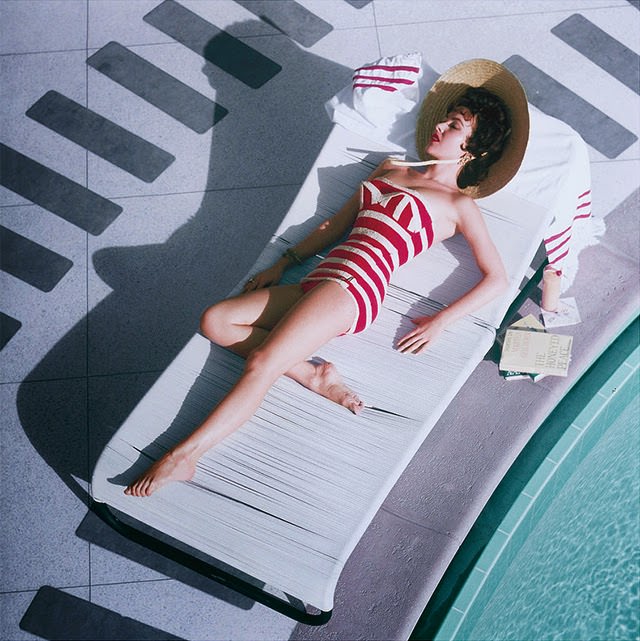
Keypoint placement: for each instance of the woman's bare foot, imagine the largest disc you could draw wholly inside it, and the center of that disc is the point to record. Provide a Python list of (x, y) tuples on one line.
[(171, 467), (328, 383)]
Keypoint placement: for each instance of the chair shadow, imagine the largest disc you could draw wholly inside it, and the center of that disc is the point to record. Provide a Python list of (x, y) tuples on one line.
[(159, 290), (223, 365)]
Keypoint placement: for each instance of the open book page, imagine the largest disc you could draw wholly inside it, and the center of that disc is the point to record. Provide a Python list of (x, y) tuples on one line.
[(536, 352)]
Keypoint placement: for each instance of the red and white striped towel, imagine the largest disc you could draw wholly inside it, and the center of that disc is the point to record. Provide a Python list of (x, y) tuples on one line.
[(386, 77), (558, 244), (556, 173), (386, 88)]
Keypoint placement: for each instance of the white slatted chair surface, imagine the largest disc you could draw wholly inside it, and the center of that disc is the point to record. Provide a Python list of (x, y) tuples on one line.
[(286, 498)]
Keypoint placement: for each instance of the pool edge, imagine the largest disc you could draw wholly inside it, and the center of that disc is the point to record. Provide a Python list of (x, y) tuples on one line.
[(477, 568)]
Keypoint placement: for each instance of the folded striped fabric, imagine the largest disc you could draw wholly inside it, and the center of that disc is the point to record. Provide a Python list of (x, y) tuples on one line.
[(387, 87), (557, 245), (556, 173), (385, 77)]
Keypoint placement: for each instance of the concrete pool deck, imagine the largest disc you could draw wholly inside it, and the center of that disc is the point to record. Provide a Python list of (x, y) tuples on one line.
[(93, 310)]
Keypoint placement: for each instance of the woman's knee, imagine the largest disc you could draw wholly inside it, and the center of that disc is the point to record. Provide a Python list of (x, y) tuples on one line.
[(264, 362), (213, 322)]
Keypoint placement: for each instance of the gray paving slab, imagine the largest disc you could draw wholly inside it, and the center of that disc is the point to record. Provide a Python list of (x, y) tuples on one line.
[(157, 290), (8, 328), (358, 4), (122, 20), (31, 262), (463, 11), (596, 128), (240, 21), (25, 78), (40, 503), (291, 18), (185, 611), (45, 316), (126, 19), (116, 560), (601, 48), (14, 605), (267, 125), (55, 192), (217, 46), (116, 103), (612, 182), (100, 136), (157, 87), (56, 614), (228, 188), (26, 26)]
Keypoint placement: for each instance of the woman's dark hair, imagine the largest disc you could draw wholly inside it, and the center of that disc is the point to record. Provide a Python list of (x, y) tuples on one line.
[(490, 134)]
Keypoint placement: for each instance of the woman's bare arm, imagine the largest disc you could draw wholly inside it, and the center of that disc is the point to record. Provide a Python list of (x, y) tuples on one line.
[(493, 282), (334, 228), (326, 234)]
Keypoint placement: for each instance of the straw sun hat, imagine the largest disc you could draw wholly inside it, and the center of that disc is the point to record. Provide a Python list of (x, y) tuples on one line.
[(499, 80)]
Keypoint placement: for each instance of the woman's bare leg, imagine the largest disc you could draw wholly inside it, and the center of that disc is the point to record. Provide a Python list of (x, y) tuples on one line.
[(242, 324), (325, 312)]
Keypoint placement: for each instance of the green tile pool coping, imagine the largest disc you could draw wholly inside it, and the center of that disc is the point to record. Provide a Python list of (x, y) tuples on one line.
[(480, 570)]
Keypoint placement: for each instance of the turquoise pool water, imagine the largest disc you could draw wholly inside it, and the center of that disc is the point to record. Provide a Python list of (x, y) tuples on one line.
[(577, 574), (562, 560)]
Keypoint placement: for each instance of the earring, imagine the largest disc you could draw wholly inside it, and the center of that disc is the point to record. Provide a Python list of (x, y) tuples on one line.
[(465, 158)]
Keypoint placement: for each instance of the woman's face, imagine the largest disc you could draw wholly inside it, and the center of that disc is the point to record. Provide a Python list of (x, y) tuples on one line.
[(450, 136)]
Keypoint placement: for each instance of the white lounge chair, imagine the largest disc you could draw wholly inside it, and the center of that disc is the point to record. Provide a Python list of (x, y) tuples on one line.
[(285, 499), (276, 509)]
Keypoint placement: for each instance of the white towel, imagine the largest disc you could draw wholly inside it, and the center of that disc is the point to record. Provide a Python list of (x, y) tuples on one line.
[(556, 174)]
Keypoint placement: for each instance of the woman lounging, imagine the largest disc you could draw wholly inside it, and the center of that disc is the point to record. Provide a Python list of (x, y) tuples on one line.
[(397, 213)]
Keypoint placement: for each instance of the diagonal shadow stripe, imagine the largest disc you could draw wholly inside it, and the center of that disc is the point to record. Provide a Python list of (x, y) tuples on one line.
[(9, 327), (54, 614), (31, 262), (598, 130), (291, 18), (217, 46), (601, 48), (157, 87), (101, 136), (55, 192)]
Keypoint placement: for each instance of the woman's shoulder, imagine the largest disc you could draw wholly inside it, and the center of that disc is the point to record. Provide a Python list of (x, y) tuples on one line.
[(464, 203), (384, 168), (447, 195)]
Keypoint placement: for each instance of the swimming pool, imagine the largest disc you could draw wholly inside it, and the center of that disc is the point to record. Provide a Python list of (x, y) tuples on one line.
[(559, 558)]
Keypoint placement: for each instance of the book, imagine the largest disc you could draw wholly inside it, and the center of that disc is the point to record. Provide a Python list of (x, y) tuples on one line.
[(510, 375), (537, 377), (529, 322), (535, 352)]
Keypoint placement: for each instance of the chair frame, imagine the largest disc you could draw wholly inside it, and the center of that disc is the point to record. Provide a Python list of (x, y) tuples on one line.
[(210, 570)]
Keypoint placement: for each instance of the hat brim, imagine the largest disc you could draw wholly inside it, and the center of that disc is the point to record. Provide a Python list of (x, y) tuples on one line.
[(449, 88)]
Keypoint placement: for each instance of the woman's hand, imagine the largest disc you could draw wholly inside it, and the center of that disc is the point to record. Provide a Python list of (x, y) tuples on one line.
[(419, 339), (266, 278)]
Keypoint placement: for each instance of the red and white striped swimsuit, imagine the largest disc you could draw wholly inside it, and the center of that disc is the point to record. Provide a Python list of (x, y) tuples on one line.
[(392, 227)]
